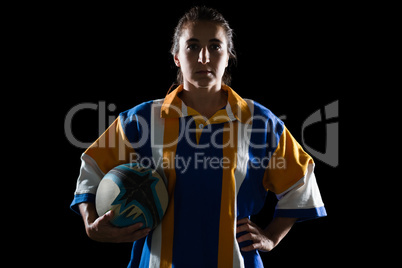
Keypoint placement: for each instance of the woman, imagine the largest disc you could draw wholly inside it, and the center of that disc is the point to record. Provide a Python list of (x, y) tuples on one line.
[(218, 154)]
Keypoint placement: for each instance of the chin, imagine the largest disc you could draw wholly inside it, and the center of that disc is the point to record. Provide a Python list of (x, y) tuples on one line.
[(205, 83)]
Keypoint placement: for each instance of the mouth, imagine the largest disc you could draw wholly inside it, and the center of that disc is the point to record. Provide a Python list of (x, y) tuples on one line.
[(204, 72)]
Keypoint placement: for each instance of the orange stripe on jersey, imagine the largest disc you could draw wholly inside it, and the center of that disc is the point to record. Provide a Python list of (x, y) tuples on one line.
[(171, 106), (170, 136), (289, 164), (228, 198), (239, 106), (112, 148)]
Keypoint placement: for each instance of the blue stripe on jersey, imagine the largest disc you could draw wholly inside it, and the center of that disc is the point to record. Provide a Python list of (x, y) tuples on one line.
[(251, 196), (301, 214), (197, 202), (136, 253), (79, 198), (136, 125)]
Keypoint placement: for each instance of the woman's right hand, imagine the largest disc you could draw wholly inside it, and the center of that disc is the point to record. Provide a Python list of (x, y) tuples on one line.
[(100, 229)]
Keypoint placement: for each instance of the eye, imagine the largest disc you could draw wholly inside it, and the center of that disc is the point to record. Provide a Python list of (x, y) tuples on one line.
[(216, 47), (192, 47)]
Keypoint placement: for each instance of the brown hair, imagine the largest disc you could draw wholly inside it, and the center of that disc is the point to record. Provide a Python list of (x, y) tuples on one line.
[(206, 14)]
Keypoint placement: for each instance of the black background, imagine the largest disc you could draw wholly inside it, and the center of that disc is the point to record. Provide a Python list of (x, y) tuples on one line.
[(293, 59)]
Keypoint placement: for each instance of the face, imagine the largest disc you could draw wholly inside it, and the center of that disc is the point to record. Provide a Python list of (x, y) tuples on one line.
[(203, 54)]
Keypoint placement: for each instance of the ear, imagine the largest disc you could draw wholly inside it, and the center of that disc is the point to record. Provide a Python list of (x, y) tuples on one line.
[(176, 60)]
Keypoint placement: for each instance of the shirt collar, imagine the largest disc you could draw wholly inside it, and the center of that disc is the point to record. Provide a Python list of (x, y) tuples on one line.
[(236, 108)]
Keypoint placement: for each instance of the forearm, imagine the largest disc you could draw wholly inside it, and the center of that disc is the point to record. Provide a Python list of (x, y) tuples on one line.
[(100, 229), (264, 240), (88, 212), (278, 228)]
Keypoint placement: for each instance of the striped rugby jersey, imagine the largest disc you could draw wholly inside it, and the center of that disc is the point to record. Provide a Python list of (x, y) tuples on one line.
[(216, 171)]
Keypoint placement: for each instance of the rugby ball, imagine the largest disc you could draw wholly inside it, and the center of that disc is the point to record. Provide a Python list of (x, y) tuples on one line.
[(134, 193)]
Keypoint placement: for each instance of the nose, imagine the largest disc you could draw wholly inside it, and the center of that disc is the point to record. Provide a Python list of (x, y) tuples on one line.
[(203, 57)]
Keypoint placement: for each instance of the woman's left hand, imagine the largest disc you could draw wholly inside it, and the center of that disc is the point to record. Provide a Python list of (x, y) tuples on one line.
[(260, 239)]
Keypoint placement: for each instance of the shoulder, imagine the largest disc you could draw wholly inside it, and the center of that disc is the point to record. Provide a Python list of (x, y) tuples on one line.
[(138, 119), (142, 110), (260, 112), (267, 128), (138, 109)]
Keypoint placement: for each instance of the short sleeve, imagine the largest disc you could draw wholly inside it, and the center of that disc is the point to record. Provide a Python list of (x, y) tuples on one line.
[(294, 181), (111, 149)]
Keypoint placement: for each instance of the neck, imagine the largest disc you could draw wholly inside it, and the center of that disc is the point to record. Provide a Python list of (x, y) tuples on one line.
[(205, 100)]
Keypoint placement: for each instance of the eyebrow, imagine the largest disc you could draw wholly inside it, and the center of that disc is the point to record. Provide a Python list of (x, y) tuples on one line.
[(210, 40)]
